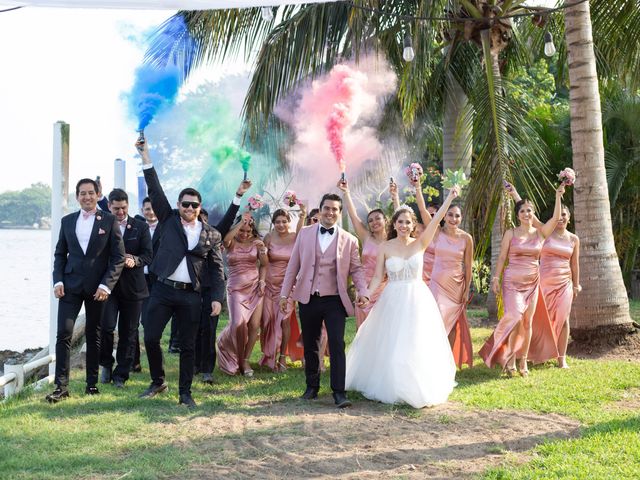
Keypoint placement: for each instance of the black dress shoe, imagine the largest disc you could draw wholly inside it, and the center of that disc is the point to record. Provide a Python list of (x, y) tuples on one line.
[(174, 349), (207, 378), (153, 390), (118, 382), (136, 368), (57, 395), (310, 393), (91, 390), (187, 400), (341, 400), (105, 375)]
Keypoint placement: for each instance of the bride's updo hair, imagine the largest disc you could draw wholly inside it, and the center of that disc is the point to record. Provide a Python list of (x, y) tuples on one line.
[(403, 209)]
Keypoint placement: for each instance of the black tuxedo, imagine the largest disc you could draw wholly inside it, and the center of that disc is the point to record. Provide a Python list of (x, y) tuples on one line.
[(81, 275), (184, 304), (125, 303)]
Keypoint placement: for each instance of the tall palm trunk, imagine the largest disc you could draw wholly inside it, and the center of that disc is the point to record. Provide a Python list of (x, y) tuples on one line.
[(456, 132), (602, 309)]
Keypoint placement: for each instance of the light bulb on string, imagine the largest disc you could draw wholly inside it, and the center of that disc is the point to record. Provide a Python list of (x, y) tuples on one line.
[(549, 47), (267, 14), (407, 53)]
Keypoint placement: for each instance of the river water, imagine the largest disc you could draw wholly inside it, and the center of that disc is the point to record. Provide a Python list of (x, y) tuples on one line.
[(25, 288)]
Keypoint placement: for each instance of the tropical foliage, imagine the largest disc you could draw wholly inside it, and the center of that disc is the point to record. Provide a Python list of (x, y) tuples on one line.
[(27, 206)]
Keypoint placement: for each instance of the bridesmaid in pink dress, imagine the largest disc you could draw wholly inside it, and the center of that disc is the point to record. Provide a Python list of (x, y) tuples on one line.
[(522, 332), (245, 291), (560, 280), (371, 236), (277, 327), (450, 283), (426, 214)]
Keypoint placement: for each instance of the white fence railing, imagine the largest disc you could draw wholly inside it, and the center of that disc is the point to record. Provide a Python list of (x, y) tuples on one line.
[(14, 376)]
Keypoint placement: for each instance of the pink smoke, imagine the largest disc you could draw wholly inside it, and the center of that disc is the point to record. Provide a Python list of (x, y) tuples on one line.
[(333, 120)]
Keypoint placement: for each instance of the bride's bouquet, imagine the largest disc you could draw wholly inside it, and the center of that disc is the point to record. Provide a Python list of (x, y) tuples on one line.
[(255, 203), (451, 179), (567, 176), (414, 171)]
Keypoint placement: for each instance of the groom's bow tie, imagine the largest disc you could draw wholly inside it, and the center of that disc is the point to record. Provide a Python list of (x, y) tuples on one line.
[(327, 230)]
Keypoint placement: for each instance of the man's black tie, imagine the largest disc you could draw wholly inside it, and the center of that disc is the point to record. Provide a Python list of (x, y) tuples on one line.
[(326, 230)]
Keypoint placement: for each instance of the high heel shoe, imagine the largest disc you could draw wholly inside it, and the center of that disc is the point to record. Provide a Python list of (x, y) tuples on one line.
[(523, 370), (562, 362), (281, 365), (247, 371), (508, 369)]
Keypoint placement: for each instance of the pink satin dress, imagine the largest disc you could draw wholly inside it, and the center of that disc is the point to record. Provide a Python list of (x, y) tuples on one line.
[(242, 300), (369, 258), (520, 285), (447, 286), (427, 265), (555, 279), (272, 317)]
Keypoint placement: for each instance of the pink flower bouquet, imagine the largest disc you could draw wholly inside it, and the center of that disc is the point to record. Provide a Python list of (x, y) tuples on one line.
[(291, 199), (567, 176), (255, 203), (414, 171)]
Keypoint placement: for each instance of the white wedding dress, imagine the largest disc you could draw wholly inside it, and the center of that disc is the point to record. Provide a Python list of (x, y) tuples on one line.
[(401, 353)]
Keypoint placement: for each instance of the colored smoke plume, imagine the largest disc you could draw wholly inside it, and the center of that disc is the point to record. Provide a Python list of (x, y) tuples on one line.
[(335, 118), (154, 90)]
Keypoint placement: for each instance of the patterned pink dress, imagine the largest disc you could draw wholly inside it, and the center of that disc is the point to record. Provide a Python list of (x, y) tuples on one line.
[(272, 317), (447, 286), (369, 258), (555, 279), (427, 265), (519, 287), (242, 300)]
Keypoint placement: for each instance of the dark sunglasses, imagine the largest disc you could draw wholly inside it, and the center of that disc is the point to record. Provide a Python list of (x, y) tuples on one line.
[(193, 205)]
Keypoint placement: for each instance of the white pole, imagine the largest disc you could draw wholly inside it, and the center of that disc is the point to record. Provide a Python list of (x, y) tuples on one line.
[(59, 192), (119, 174)]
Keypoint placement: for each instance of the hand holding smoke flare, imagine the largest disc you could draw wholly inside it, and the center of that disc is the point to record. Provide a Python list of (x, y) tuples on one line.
[(567, 176)]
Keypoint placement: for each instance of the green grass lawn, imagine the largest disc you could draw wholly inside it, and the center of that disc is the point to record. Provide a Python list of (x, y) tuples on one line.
[(117, 435)]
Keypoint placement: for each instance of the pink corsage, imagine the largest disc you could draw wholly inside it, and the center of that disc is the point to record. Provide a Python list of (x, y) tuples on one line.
[(567, 176), (414, 171), (255, 203)]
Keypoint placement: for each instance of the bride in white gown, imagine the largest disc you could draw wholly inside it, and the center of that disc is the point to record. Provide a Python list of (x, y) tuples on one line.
[(401, 354)]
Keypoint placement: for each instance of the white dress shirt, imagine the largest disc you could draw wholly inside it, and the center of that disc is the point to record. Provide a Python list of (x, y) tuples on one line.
[(123, 227), (84, 226), (152, 230), (325, 239), (181, 273)]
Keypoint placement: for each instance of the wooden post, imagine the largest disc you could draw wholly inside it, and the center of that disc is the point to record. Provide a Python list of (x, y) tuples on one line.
[(59, 207)]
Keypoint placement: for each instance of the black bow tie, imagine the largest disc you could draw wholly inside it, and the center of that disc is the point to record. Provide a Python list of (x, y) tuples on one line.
[(327, 230)]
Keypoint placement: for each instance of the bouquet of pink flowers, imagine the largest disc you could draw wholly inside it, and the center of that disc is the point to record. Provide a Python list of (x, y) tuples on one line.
[(255, 203), (291, 199), (567, 176), (414, 171)]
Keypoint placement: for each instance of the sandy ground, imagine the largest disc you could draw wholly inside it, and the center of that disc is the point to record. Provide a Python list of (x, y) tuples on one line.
[(315, 440)]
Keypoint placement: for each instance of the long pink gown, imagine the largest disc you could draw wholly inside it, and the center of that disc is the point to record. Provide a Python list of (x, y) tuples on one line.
[(427, 265), (369, 258), (555, 279), (447, 286), (520, 285), (242, 300), (272, 317)]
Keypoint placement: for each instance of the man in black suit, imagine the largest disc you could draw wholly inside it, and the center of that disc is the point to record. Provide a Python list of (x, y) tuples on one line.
[(125, 303), (88, 260), (189, 249)]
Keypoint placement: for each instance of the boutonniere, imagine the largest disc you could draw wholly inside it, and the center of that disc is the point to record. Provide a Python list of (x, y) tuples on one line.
[(101, 231), (98, 217), (128, 226), (207, 242)]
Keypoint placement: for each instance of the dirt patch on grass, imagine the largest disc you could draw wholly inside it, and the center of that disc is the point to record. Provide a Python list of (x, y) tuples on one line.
[(369, 440), (623, 347), (630, 401)]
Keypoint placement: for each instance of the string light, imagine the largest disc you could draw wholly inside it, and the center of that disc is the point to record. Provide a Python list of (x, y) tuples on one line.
[(549, 47), (407, 53)]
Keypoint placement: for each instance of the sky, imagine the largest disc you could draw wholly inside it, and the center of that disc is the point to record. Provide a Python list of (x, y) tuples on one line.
[(72, 65)]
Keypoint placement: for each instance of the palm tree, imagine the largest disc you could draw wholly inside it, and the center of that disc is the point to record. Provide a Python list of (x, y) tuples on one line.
[(603, 307)]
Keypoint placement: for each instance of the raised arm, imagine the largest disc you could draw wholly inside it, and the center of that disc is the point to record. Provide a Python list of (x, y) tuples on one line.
[(159, 201), (502, 258), (301, 218), (431, 228), (425, 216), (393, 191), (362, 232), (225, 223), (513, 193), (548, 228), (231, 234)]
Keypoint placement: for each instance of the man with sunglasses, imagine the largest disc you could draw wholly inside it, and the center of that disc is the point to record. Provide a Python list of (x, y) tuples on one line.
[(189, 250)]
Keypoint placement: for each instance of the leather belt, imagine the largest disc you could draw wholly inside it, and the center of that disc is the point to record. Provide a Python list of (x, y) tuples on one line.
[(176, 285)]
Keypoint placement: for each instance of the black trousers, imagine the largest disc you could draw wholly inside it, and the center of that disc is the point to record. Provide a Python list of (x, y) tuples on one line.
[(68, 308), (206, 338), (126, 314), (143, 315), (331, 310), (184, 306)]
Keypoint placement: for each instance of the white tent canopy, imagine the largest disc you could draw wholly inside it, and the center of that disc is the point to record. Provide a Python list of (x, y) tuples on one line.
[(154, 4)]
